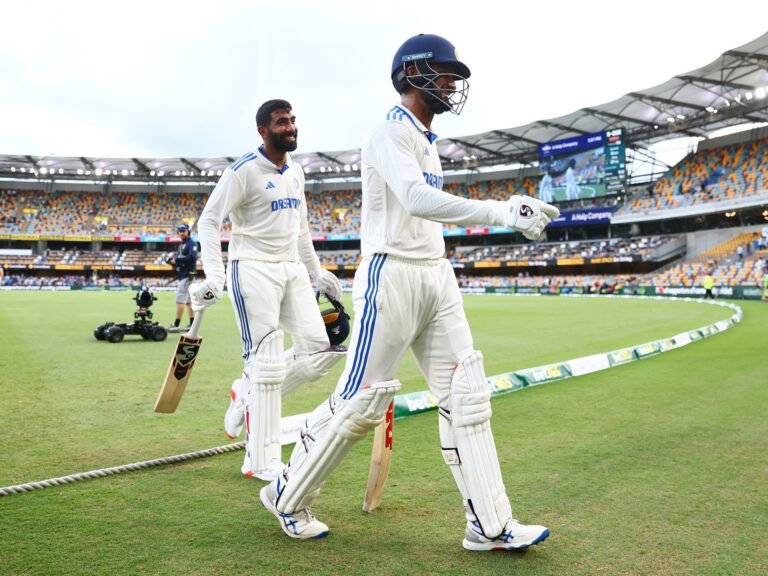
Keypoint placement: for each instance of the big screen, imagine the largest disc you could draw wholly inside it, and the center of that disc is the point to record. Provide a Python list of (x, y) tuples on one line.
[(585, 166)]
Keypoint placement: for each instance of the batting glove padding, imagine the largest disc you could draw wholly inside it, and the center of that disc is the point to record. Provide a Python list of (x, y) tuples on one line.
[(528, 215), (204, 293), (327, 283)]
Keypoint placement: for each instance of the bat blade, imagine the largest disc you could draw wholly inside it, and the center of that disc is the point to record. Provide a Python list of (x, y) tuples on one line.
[(381, 458), (179, 370)]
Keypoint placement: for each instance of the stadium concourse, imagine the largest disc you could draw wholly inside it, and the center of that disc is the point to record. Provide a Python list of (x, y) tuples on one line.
[(629, 223)]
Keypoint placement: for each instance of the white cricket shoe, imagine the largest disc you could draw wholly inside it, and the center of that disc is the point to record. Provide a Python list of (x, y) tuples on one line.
[(515, 536), (300, 524), (235, 416), (271, 472)]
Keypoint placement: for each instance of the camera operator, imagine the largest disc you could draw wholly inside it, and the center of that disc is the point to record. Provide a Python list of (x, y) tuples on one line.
[(185, 261)]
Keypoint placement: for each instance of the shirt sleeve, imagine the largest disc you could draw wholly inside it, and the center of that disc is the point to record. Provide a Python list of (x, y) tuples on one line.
[(305, 247), (228, 194), (394, 159)]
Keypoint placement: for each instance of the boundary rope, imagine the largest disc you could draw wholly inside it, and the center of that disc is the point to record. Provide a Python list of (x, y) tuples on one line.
[(29, 486)]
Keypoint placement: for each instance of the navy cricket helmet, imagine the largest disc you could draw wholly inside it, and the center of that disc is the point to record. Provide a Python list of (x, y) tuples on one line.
[(422, 51), (336, 322)]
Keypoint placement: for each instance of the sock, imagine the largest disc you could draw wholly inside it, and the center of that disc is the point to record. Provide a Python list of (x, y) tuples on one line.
[(176, 322), (191, 320)]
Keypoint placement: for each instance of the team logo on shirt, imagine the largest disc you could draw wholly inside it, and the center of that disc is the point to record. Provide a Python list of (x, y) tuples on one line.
[(433, 180), (285, 204)]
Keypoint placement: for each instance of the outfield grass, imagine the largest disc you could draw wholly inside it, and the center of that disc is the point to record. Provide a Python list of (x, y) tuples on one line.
[(656, 467)]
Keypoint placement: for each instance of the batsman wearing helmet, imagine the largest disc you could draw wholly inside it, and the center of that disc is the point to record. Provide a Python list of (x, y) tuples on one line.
[(270, 252), (405, 296)]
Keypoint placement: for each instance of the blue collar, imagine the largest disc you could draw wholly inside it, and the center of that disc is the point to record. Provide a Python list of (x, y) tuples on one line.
[(279, 170), (431, 136)]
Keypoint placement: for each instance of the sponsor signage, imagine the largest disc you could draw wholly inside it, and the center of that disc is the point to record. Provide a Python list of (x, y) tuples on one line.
[(570, 261), (584, 217), (69, 267), (569, 145)]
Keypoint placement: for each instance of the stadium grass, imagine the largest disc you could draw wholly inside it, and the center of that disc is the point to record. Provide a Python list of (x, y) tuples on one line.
[(655, 467)]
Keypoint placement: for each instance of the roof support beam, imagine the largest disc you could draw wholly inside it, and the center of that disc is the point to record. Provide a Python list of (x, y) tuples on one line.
[(475, 146), (648, 98), (513, 137), (189, 165), (141, 166), (619, 117), (330, 159), (753, 56), (713, 82), (548, 124), (87, 163)]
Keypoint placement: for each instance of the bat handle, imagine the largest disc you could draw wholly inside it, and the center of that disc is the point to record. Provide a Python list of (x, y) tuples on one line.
[(195, 328)]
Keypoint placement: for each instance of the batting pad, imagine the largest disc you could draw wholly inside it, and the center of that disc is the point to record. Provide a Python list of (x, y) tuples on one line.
[(469, 449), (266, 373), (331, 431), (309, 368)]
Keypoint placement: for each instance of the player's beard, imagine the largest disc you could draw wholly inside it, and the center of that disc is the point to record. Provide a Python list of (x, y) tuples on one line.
[(435, 102), (278, 142)]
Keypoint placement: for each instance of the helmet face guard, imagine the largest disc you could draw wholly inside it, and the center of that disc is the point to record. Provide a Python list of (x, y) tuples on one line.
[(440, 99), (336, 322), (423, 51)]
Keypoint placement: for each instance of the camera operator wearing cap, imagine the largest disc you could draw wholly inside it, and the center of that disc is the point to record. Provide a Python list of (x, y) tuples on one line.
[(185, 261)]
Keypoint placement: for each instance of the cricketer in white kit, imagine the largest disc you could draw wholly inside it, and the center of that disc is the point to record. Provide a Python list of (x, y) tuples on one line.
[(270, 253), (406, 296)]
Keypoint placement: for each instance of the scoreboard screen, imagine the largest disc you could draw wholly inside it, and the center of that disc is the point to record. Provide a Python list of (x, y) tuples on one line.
[(586, 166)]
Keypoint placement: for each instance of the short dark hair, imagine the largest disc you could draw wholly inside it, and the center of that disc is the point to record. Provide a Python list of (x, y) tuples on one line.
[(264, 113)]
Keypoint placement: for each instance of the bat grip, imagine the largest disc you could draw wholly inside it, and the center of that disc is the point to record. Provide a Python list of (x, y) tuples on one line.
[(195, 328)]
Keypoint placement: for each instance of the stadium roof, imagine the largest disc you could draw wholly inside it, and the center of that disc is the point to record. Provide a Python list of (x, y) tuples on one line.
[(724, 93)]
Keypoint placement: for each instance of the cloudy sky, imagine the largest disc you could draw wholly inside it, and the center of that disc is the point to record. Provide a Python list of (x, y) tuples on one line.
[(169, 78)]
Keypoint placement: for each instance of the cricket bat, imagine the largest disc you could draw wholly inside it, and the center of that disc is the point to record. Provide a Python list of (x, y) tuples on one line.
[(381, 457), (181, 366)]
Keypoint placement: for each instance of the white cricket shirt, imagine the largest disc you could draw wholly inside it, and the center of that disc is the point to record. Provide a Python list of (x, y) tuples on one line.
[(403, 202), (266, 206)]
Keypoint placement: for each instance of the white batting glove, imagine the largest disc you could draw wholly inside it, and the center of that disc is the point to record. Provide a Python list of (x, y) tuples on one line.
[(327, 283), (204, 293), (528, 215)]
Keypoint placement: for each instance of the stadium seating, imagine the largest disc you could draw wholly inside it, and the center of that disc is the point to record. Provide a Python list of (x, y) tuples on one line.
[(640, 247), (709, 176), (82, 213), (722, 261), (704, 178)]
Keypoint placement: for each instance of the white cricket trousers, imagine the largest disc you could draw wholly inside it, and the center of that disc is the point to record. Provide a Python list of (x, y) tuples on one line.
[(271, 295), (401, 303)]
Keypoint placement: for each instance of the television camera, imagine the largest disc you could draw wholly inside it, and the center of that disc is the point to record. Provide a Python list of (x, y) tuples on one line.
[(142, 324)]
